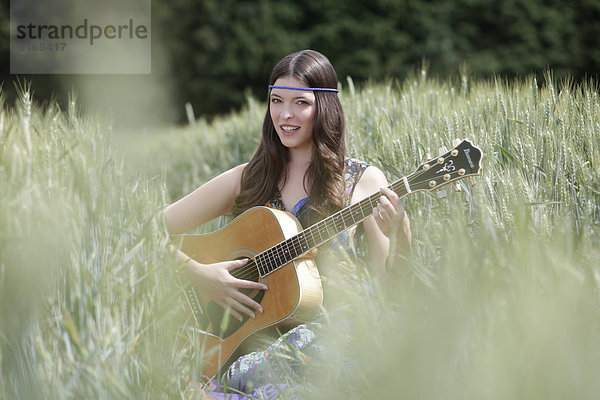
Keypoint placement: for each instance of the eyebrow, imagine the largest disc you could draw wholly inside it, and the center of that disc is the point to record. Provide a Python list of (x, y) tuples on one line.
[(303, 97)]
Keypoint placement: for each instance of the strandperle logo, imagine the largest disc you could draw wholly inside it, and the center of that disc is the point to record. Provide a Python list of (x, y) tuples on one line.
[(85, 30), (80, 37)]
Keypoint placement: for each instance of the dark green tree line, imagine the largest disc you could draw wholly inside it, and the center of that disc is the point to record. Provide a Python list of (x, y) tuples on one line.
[(222, 48)]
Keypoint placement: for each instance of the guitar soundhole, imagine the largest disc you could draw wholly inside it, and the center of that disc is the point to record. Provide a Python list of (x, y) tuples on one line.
[(216, 313)]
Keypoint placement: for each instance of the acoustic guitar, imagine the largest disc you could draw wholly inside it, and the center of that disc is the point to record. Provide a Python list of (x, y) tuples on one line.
[(277, 247)]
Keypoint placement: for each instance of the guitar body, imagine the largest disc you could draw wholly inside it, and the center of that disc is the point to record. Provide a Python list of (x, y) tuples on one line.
[(294, 294)]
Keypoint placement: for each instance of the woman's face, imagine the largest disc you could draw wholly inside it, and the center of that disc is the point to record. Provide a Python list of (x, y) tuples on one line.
[(293, 113)]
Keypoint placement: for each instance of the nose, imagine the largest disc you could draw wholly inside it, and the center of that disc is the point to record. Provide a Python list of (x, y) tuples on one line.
[(287, 111)]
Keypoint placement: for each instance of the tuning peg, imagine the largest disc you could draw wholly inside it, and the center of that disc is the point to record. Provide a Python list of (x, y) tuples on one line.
[(457, 186), (472, 181), (442, 150), (441, 194), (427, 156), (456, 142)]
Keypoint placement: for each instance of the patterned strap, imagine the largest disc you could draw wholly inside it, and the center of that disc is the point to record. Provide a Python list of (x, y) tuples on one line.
[(352, 173)]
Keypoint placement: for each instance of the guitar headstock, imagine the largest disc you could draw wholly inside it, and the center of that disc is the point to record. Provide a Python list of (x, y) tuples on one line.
[(461, 162)]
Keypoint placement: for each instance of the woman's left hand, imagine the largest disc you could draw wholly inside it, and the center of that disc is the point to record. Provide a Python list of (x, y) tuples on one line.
[(389, 212)]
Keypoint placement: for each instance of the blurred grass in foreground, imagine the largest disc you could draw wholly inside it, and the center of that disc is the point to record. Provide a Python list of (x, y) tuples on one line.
[(501, 299), (83, 306)]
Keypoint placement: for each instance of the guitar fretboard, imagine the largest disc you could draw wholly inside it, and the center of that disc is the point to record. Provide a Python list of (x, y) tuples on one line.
[(321, 232), (461, 162)]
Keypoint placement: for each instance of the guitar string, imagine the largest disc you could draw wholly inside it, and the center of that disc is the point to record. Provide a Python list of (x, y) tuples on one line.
[(279, 252), (310, 234), (272, 256), (275, 255)]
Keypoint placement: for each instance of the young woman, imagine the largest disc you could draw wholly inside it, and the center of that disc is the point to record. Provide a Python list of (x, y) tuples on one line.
[(300, 166)]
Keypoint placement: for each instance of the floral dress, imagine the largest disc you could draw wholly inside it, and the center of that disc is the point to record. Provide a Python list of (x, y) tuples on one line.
[(289, 355)]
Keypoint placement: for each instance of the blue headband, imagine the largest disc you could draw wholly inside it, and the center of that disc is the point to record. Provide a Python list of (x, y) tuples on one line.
[(306, 89)]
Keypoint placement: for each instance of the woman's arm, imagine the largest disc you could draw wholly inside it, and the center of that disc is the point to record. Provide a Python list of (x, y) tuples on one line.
[(389, 221), (209, 201)]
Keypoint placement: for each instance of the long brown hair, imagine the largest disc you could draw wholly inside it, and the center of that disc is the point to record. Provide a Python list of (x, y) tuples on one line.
[(324, 177)]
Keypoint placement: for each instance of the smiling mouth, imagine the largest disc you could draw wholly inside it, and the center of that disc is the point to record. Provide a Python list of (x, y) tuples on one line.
[(289, 130)]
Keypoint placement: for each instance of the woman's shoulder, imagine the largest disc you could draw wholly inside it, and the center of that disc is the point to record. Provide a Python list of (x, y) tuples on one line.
[(371, 180), (373, 174), (354, 172), (240, 168), (235, 173), (229, 181)]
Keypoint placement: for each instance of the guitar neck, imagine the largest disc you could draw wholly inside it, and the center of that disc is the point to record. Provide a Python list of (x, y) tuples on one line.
[(323, 231), (459, 163)]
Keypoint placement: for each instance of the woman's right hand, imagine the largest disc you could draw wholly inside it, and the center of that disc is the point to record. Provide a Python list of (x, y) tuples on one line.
[(216, 283)]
